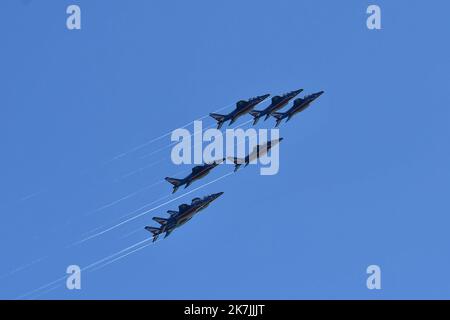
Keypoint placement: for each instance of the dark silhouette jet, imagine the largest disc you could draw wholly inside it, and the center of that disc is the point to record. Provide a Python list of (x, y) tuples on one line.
[(178, 218), (257, 152), (299, 105), (198, 172), (242, 107), (277, 103)]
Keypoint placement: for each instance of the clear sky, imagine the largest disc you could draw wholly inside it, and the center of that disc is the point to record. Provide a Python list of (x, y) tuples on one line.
[(364, 173)]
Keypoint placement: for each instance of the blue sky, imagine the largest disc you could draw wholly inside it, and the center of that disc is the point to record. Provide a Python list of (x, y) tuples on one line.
[(364, 173)]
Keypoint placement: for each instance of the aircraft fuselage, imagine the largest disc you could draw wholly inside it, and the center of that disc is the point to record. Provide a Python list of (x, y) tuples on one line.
[(301, 107), (278, 105), (237, 113), (200, 174)]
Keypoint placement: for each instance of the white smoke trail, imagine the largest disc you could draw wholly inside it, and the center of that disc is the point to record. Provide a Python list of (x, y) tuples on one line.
[(124, 198), (123, 256), (22, 267), (123, 154), (174, 143), (152, 209), (84, 268), (129, 174)]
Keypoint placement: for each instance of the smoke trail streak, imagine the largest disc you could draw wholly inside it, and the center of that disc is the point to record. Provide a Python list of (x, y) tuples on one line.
[(115, 254), (152, 209), (124, 198), (129, 174), (121, 155), (46, 291), (192, 135), (174, 143), (32, 195), (126, 235), (23, 267), (123, 256), (84, 269), (41, 287), (140, 208)]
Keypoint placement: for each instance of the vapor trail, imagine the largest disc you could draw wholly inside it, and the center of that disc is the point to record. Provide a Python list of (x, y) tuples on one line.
[(141, 169), (84, 269), (124, 198), (175, 142), (21, 268), (160, 137), (115, 254), (123, 256), (131, 233), (192, 135), (152, 209), (41, 287), (140, 208)]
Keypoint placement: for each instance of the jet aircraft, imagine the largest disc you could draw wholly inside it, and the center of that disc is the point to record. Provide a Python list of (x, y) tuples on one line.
[(197, 172), (277, 103), (242, 107), (178, 218), (257, 152), (299, 105)]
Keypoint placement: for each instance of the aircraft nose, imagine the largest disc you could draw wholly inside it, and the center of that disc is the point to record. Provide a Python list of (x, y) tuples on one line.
[(296, 92), (216, 195), (264, 97), (281, 139)]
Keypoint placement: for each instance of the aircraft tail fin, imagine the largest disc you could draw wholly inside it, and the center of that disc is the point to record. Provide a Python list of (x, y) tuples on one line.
[(175, 182), (256, 115), (155, 232), (161, 221), (279, 116), (220, 118)]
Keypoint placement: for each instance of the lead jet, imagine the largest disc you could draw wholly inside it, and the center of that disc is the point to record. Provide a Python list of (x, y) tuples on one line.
[(300, 104), (257, 152), (242, 107), (178, 218), (277, 103), (197, 172)]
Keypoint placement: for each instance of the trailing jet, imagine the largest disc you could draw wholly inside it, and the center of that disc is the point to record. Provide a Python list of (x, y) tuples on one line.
[(257, 152), (242, 107), (197, 172), (277, 103), (178, 218), (300, 104)]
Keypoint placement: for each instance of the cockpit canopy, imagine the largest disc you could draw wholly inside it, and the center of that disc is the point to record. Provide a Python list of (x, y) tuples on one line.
[(196, 169), (241, 103), (182, 207), (196, 200), (276, 98), (298, 101)]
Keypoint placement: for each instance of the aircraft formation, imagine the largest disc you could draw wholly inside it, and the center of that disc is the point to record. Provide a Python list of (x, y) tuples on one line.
[(188, 211)]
